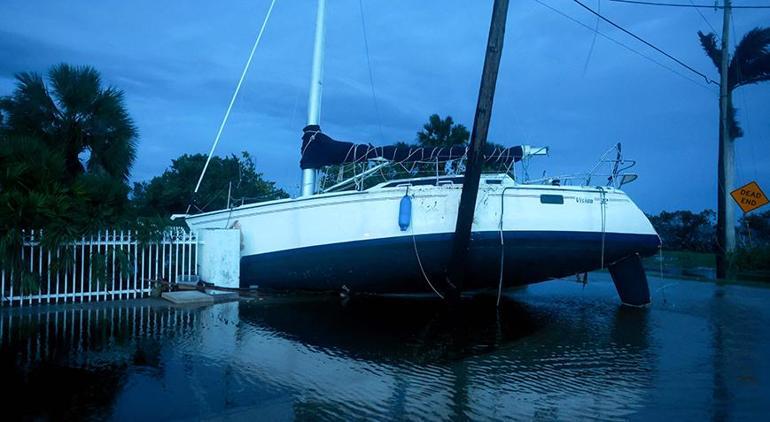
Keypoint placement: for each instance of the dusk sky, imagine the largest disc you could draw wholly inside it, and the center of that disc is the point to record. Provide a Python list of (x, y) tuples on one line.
[(178, 63)]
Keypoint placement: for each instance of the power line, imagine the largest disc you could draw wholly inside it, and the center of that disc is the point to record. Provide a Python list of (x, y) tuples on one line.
[(698, 6), (697, 10), (621, 44), (681, 63)]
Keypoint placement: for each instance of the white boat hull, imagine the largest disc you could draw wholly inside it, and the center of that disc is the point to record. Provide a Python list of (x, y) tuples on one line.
[(352, 240)]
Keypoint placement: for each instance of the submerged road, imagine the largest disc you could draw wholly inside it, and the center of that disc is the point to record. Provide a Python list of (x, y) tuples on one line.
[(555, 351)]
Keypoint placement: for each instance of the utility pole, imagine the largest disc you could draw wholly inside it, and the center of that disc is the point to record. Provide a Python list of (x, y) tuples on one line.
[(458, 264), (726, 170)]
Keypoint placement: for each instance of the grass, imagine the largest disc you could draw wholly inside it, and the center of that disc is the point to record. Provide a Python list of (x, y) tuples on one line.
[(699, 265)]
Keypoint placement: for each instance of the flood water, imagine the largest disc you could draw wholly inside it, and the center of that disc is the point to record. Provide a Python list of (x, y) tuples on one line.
[(554, 351)]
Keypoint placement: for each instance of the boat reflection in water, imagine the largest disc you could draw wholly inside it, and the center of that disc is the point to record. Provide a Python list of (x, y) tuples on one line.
[(314, 357), (553, 351), (424, 360)]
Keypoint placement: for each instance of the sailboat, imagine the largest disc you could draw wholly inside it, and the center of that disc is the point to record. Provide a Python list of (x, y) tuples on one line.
[(395, 237)]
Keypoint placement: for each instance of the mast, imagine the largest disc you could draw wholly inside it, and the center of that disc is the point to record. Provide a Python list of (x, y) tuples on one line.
[(316, 87)]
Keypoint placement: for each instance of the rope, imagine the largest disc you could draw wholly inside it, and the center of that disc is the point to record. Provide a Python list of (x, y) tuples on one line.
[(419, 261), (604, 220), (235, 95), (502, 246)]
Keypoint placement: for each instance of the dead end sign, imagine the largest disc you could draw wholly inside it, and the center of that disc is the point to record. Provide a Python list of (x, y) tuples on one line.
[(749, 197)]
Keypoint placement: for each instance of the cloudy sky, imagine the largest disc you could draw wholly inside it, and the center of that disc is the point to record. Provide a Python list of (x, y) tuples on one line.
[(178, 63)]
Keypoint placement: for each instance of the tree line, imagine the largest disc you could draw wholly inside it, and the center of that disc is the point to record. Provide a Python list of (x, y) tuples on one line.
[(690, 231), (67, 145)]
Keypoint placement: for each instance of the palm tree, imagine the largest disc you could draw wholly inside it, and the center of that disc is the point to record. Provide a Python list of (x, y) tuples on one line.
[(75, 115), (750, 64), (440, 132)]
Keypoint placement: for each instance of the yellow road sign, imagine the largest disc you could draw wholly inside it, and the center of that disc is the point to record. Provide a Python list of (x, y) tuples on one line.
[(749, 197)]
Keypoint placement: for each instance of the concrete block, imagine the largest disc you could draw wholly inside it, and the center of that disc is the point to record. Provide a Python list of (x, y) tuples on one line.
[(221, 295), (187, 297), (219, 256)]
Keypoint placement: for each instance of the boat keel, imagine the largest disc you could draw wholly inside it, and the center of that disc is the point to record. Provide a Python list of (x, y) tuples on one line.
[(631, 281)]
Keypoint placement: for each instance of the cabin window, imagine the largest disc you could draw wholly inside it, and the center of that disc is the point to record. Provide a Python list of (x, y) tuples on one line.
[(457, 180), (494, 181), (551, 199)]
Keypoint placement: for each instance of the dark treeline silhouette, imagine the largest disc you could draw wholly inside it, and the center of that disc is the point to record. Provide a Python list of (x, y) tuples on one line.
[(67, 145), (686, 230), (690, 231)]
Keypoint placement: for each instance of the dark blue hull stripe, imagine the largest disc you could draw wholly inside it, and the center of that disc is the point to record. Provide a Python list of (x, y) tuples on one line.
[(390, 265)]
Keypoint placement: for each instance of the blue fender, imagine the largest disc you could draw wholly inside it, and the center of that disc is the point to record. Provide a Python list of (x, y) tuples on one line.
[(405, 213)]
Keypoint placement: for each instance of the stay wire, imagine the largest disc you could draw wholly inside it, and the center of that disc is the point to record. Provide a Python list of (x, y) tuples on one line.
[(232, 99), (593, 40), (371, 73), (697, 10), (647, 43)]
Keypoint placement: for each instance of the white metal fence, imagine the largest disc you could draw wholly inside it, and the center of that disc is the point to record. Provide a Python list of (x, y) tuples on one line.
[(107, 265)]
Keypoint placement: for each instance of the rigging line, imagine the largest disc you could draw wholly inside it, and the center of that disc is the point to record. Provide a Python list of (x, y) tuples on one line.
[(593, 40), (235, 95), (369, 67), (607, 37), (417, 255), (691, 5), (604, 220), (681, 63), (697, 10), (502, 246)]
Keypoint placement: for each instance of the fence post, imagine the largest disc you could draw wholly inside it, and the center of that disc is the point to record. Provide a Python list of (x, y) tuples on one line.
[(48, 277), (90, 264), (176, 257), (136, 256), (31, 260), (58, 273), (40, 268), (73, 295), (141, 277), (163, 255), (82, 267), (189, 253), (112, 278)]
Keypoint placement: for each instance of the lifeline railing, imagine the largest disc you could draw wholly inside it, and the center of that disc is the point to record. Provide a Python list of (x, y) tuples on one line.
[(615, 177), (109, 264)]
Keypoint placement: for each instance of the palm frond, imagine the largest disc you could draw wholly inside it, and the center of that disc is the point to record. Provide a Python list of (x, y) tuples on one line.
[(709, 43), (751, 62), (113, 135), (29, 110), (74, 88)]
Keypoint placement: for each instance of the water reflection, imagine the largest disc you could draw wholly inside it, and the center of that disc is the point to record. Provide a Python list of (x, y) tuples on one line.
[(468, 362), (554, 352)]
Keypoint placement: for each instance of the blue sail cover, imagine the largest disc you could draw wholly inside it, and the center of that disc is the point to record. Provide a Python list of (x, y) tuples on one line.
[(318, 150)]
